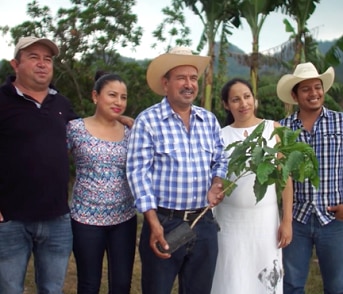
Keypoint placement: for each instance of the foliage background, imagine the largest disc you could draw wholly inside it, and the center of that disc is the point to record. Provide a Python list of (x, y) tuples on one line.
[(89, 31)]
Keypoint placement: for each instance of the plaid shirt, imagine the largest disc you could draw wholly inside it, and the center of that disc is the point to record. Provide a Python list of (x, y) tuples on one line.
[(167, 165), (326, 140)]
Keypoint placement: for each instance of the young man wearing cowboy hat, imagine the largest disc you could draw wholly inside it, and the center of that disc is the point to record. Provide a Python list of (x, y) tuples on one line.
[(317, 214), (175, 164)]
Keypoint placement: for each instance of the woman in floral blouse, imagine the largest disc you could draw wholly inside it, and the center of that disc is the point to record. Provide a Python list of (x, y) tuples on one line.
[(102, 209)]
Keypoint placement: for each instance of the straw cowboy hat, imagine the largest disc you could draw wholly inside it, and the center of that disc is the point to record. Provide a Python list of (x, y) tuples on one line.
[(175, 57), (303, 71)]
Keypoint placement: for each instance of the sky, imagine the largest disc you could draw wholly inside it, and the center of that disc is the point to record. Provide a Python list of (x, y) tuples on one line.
[(325, 23)]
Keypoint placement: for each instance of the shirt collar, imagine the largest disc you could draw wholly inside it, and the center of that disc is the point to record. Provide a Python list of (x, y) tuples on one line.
[(323, 113), (51, 90), (167, 111)]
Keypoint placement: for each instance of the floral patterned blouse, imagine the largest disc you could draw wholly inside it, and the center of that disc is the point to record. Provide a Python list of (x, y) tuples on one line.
[(101, 194)]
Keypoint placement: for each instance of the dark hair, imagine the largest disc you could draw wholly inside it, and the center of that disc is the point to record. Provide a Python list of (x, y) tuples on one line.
[(18, 56), (99, 73), (225, 95), (296, 87), (105, 79)]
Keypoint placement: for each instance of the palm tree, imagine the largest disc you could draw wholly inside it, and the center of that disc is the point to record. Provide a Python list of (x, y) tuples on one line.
[(335, 54), (255, 12), (300, 11)]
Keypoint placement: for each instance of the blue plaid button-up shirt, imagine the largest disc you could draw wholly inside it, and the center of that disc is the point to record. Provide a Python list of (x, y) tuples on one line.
[(326, 139), (167, 165)]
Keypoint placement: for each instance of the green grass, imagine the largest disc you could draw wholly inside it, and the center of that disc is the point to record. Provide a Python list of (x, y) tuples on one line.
[(314, 284)]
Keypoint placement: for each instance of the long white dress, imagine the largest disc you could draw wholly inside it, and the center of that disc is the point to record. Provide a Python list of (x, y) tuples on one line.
[(249, 261)]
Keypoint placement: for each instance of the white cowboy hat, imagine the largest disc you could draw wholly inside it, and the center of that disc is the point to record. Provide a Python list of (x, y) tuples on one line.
[(303, 71), (175, 57)]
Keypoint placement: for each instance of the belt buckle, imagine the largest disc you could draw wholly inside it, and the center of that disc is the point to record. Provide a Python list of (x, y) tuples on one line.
[(185, 216)]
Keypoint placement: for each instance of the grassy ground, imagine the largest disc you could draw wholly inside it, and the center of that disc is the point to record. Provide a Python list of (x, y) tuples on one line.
[(314, 284)]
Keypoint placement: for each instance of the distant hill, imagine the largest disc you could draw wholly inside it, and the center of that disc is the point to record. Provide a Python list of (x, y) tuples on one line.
[(236, 62), (237, 68)]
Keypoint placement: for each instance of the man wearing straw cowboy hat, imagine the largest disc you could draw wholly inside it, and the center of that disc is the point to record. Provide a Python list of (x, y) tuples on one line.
[(175, 164), (317, 214)]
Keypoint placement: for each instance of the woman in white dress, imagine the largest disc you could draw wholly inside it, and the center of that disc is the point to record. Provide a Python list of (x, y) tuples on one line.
[(251, 235)]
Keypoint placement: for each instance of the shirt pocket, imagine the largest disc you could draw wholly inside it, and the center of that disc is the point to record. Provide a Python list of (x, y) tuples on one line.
[(332, 144), (206, 148), (170, 150), (331, 138)]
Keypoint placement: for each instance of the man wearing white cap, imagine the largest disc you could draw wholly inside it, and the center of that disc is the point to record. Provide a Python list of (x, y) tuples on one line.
[(175, 164), (317, 214), (34, 172)]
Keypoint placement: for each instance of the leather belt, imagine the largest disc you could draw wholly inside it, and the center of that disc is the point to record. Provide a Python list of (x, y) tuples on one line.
[(186, 215)]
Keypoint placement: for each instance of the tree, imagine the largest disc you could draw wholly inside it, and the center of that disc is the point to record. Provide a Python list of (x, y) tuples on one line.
[(87, 33), (175, 24), (255, 12), (300, 11), (334, 56), (5, 70)]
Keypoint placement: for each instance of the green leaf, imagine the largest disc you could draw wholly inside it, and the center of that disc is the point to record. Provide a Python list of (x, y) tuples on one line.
[(298, 161), (228, 186), (264, 170), (288, 27), (293, 160), (260, 190), (286, 135), (270, 150), (257, 155)]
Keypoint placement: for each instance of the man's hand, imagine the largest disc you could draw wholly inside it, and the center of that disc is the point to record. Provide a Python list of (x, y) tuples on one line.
[(1, 217), (337, 210), (156, 234), (126, 120), (215, 195)]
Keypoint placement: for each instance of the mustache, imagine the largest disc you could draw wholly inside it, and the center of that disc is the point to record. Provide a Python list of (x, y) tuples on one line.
[(183, 91)]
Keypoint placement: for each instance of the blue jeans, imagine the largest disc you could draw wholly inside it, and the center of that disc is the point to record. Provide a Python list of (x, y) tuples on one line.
[(193, 263), (90, 245), (49, 241), (328, 242)]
